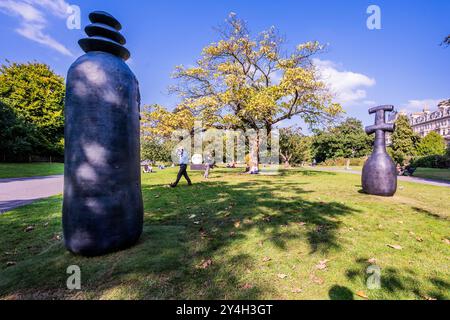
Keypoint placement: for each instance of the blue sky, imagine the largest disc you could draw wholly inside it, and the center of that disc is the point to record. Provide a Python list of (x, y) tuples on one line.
[(401, 64)]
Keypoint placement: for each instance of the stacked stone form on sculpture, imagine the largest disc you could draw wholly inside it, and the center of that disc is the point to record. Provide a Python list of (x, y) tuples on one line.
[(379, 175), (102, 209)]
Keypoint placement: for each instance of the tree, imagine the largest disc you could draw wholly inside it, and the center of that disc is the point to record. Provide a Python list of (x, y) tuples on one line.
[(35, 96), (404, 141), (159, 122), (432, 144), (447, 40), (295, 148), (346, 140), (157, 126), (156, 150), (245, 82)]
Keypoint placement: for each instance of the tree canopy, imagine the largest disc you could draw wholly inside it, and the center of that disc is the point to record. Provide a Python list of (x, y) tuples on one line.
[(432, 144), (248, 82), (295, 148), (404, 140), (346, 140), (32, 99), (447, 40)]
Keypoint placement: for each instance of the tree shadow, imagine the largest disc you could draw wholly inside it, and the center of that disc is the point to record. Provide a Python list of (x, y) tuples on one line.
[(402, 281), (183, 229), (340, 293)]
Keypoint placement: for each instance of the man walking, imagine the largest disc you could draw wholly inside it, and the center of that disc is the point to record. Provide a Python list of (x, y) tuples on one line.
[(184, 161)]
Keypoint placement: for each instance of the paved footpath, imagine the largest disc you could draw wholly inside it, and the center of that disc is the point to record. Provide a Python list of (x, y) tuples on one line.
[(18, 192), (437, 183)]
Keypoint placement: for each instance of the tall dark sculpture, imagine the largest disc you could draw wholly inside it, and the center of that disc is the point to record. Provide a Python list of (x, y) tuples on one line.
[(379, 175), (102, 209)]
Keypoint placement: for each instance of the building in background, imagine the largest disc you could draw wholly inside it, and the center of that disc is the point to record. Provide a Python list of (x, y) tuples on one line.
[(426, 121)]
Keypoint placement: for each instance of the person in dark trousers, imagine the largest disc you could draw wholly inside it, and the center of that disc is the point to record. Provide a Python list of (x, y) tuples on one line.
[(184, 161)]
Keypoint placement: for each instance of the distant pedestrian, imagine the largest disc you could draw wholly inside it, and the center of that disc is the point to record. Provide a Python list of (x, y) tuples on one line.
[(184, 161), (209, 162)]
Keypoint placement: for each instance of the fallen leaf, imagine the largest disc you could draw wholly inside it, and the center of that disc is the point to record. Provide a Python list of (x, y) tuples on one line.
[(362, 294), (267, 259), (232, 234), (446, 241), (46, 224), (429, 298), (282, 276), (267, 219), (372, 261), (419, 239), (401, 222), (205, 264), (260, 243), (10, 263), (29, 228), (192, 216), (301, 224), (316, 279), (297, 290), (322, 265), (237, 224), (395, 246), (197, 222), (247, 286), (157, 196)]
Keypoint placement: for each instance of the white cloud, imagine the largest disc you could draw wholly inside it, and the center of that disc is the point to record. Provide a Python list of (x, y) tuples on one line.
[(33, 19), (419, 105), (349, 87)]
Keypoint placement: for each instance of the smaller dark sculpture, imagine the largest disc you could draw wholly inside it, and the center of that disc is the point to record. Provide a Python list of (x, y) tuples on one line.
[(379, 175)]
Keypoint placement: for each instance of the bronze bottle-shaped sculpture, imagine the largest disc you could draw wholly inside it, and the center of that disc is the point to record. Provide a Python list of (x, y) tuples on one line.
[(379, 175), (102, 209)]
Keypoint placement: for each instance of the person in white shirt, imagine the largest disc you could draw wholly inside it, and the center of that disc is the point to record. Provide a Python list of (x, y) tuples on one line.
[(184, 161)]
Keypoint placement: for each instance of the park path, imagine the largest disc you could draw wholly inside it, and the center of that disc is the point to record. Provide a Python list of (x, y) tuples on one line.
[(431, 182), (17, 192)]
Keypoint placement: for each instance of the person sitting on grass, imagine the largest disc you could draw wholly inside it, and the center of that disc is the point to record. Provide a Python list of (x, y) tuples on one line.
[(184, 161), (148, 169), (254, 169)]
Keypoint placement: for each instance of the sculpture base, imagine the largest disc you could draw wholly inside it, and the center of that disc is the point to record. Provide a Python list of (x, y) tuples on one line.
[(379, 176)]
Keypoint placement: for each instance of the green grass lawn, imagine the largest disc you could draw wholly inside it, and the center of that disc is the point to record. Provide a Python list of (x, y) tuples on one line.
[(436, 174), (300, 235), (22, 170)]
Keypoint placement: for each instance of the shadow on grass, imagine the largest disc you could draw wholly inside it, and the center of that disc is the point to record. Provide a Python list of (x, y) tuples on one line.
[(183, 229), (401, 282), (340, 293)]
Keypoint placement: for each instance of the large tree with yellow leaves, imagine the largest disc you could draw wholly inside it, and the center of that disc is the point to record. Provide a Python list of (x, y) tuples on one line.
[(245, 82)]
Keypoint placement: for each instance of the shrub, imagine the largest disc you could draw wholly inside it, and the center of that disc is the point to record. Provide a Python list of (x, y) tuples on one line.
[(340, 162), (435, 161)]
